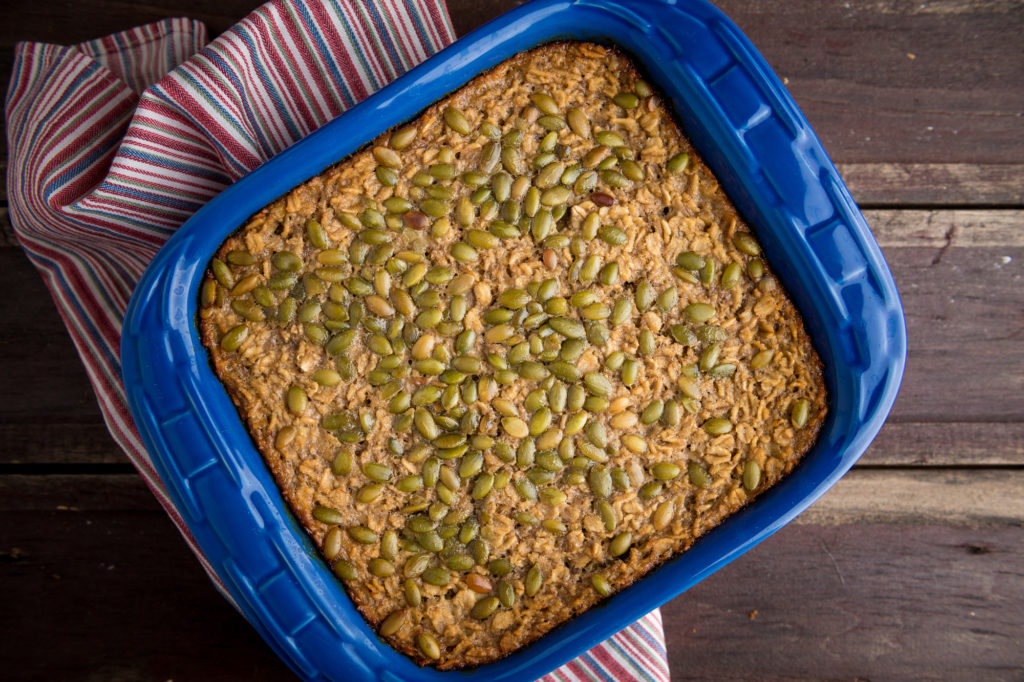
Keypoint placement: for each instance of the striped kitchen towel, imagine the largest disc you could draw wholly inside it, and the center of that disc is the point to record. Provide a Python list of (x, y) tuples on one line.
[(115, 142)]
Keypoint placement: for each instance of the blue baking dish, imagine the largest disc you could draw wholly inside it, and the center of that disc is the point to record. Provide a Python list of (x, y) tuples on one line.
[(752, 135)]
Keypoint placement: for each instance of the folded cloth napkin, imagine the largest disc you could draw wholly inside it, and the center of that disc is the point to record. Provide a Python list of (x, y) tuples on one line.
[(115, 142)]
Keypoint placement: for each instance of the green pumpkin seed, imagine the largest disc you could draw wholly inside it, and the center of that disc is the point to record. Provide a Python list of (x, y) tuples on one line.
[(428, 645), (369, 492), (762, 359), (699, 476), (534, 581), (555, 196), (633, 170), (722, 370), (601, 585), (598, 384), (667, 300), (717, 426), (500, 567), (709, 357), (362, 535), (652, 412), (755, 269), (333, 543), (403, 137), (646, 343), (620, 544), (399, 403), (731, 275), (416, 565), (457, 121), (665, 471), (345, 570), (609, 138), (437, 576), (233, 339), (699, 312), (799, 413), (515, 427), (393, 623), (644, 296), (662, 515), (567, 327), (296, 400), (381, 568), (342, 463), (746, 243), (526, 489), (600, 481), (630, 371), (551, 496), (751, 475), (678, 163), (327, 515), (511, 160), (545, 102), (485, 608), (650, 490), (626, 100), (463, 252), (634, 443)]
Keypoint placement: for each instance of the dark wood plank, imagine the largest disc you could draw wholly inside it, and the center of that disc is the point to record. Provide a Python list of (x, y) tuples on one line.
[(899, 81), (942, 443), (934, 184), (922, 496), (858, 602), (38, 360), (100, 586), (915, 597), (895, 81), (959, 274)]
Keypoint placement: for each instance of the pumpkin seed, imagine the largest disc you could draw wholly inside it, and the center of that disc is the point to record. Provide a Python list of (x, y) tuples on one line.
[(762, 359), (234, 338), (485, 608), (662, 515), (457, 121), (545, 102), (717, 426), (601, 584), (600, 481), (345, 570), (620, 544), (751, 475), (699, 476), (699, 312), (799, 413), (678, 163), (362, 535), (428, 645)]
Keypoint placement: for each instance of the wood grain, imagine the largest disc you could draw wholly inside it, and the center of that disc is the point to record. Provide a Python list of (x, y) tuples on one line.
[(858, 602), (934, 184), (880, 82), (911, 597)]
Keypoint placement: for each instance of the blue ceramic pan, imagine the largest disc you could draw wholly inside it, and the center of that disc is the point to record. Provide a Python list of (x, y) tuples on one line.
[(771, 164)]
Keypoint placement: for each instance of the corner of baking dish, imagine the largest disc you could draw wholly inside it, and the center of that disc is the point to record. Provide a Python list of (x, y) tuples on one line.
[(772, 166)]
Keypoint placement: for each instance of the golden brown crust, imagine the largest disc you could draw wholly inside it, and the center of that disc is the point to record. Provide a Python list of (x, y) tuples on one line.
[(661, 216)]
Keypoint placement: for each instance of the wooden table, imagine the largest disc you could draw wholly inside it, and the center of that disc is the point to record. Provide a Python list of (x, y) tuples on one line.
[(912, 567)]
